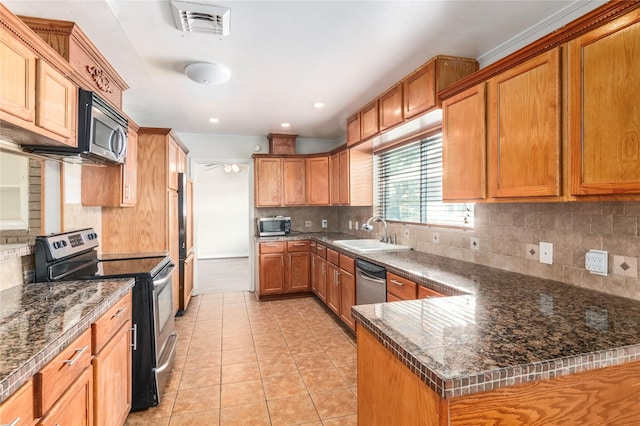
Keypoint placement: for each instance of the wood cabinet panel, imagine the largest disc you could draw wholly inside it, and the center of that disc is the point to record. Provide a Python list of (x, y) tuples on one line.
[(353, 129), (18, 406), (130, 170), (112, 379), (427, 293), (56, 103), (321, 278), (604, 110), (347, 263), (333, 288), (75, 407), (391, 107), (18, 82), (274, 247), (174, 249), (187, 282), (318, 181), (334, 180), (314, 273), (464, 152), (369, 123), (173, 164), (402, 288), (419, 90), (347, 297), (321, 250), (333, 257), (299, 271), (344, 177), (110, 322), (294, 171), (272, 273), (525, 129), (56, 377), (293, 246), (282, 143), (268, 182)]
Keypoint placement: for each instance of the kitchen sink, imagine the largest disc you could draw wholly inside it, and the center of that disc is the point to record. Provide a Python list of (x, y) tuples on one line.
[(369, 246)]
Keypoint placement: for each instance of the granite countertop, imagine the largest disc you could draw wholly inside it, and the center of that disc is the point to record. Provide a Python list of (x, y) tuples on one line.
[(497, 328), (38, 320)]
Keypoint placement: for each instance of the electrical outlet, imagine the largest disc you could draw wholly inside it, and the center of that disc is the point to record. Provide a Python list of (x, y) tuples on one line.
[(406, 232), (355, 226), (546, 253), (596, 262), (350, 225), (324, 223), (436, 238), (307, 223)]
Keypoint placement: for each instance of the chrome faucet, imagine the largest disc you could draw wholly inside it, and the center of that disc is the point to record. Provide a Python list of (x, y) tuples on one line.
[(368, 227)]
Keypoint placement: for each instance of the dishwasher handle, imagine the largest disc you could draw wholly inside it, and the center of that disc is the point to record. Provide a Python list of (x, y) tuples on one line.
[(362, 274)]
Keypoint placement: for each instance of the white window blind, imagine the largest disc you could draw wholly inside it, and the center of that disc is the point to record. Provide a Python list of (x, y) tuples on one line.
[(409, 186)]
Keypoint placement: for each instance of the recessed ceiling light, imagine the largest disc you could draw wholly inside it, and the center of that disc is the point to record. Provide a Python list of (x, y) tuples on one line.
[(318, 105), (214, 120), (286, 125)]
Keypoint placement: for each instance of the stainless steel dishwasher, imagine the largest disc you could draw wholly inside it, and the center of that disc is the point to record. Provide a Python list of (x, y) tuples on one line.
[(371, 283)]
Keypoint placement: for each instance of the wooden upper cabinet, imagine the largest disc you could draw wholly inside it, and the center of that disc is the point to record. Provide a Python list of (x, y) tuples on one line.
[(318, 181), (18, 82), (419, 90), (369, 120), (282, 143), (353, 129), (174, 158), (464, 145), (56, 103), (294, 174), (604, 109), (525, 129), (268, 182), (130, 169), (344, 180), (334, 180), (390, 104)]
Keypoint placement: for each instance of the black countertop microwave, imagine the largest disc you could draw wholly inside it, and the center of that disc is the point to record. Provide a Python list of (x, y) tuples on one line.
[(273, 226), (102, 133)]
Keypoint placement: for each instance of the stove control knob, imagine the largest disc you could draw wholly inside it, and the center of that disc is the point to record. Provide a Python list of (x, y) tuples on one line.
[(64, 243), (56, 244)]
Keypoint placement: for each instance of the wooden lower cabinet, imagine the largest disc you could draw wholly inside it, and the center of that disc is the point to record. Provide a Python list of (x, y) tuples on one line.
[(284, 267), (347, 297), (18, 409), (333, 288), (320, 277), (612, 394), (186, 282), (271, 273), (299, 271), (400, 288), (75, 407)]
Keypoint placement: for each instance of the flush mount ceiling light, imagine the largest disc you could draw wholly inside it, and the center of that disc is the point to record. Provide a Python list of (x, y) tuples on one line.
[(207, 73)]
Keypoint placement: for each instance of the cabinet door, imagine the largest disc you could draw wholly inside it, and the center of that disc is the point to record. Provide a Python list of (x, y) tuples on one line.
[(353, 129), (299, 265), (130, 171), (56, 103), (321, 271), (524, 129), (604, 109), (347, 297), (268, 182), (419, 90), (187, 282), (464, 144), (18, 82), (174, 155), (314, 273), (391, 112), (272, 273), (294, 173), (344, 177), (369, 120), (18, 409), (112, 380), (173, 246), (75, 407), (334, 179), (333, 288), (318, 181)]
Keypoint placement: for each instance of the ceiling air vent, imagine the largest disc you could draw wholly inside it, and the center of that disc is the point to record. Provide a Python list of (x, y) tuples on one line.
[(205, 18)]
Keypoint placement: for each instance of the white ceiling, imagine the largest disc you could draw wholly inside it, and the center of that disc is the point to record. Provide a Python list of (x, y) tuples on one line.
[(285, 55)]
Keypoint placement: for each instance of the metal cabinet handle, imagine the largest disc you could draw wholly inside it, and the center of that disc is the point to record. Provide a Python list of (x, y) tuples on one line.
[(134, 338), (76, 357), (119, 313), (13, 423), (298, 244), (127, 191), (397, 282), (270, 245)]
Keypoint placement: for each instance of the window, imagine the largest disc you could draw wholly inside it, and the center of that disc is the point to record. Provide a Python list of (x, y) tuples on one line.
[(409, 186)]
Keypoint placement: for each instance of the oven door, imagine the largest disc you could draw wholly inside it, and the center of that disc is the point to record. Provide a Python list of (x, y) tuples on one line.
[(166, 337)]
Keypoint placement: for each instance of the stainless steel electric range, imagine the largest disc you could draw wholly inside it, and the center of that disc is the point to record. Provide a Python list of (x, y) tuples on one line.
[(73, 256)]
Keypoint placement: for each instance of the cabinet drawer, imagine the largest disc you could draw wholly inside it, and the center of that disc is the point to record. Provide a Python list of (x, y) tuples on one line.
[(333, 256), (20, 405), (275, 247), (426, 293), (347, 263), (54, 378), (297, 246), (321, 251), (110, 322), (392, 298), (401, 287), (312, 247)]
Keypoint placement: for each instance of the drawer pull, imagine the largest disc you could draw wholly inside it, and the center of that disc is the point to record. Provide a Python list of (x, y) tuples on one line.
[(119, 313), (13, 423), (298, 244), (76, 357), (397, 282), (271, 245), (134, 330)]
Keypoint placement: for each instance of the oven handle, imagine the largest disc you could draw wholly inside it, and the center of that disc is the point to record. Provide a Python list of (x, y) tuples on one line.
[(173, 338), (160, 282), (67, 273)]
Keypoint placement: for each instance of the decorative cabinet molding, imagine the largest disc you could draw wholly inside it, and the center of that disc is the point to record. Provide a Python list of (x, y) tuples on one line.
[(100, 78)]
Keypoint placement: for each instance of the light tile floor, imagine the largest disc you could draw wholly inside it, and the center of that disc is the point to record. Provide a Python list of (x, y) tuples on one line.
[(244, 362)]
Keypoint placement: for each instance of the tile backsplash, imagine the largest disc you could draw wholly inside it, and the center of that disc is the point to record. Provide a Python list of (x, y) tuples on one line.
[(508, 236)]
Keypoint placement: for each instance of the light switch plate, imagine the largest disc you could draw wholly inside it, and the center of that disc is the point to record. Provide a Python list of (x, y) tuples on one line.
[(324, 223), (546, 253)]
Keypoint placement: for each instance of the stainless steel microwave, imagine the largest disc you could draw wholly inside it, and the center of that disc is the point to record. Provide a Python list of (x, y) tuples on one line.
[(273, 226), (102, 133)]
